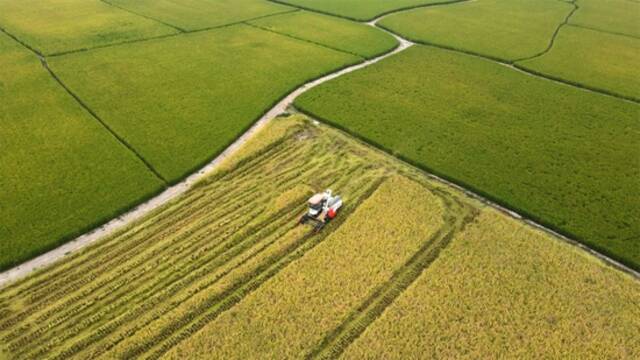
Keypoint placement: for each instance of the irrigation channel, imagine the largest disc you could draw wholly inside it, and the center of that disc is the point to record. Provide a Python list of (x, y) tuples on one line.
[(281, 107)]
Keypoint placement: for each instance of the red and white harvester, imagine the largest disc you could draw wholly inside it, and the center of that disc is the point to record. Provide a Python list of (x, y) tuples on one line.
[(323, 207)]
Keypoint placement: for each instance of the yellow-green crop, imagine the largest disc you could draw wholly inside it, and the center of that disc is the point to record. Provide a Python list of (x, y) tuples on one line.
[(288, 315), (53, 26), (505, 290), (607, 62), (349, 36), (506, 30)]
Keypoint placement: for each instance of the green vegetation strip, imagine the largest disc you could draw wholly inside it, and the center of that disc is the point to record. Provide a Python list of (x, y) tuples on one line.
[(548, 151)]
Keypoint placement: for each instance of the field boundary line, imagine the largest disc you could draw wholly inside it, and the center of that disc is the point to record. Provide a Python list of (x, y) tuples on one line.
[(304, 40), (21, 42), (480, 196), (603, 31), (121, 8), (199, 173), (378, 16), (160, 37), (555, 34), (104, 124)]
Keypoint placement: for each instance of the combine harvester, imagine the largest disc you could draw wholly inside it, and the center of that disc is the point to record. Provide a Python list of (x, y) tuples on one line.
[(323, 207)]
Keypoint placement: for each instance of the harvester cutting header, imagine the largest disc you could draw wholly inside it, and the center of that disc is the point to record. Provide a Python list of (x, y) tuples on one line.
[(323, 207)]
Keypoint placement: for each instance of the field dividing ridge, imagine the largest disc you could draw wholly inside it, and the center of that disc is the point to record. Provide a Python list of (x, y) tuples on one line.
[(101, 121)]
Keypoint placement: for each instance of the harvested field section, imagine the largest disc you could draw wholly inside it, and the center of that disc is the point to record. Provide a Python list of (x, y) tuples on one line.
[(200, 14), (288, 315), (502, 289), (344, 35), (608, 62), (558, 157), (53, 26), (151, 286), (61, 172), (181, 101), (505, 30), (614, 16), (358, 9)]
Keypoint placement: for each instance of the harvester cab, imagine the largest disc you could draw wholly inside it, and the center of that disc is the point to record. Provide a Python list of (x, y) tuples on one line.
[(322, 208)]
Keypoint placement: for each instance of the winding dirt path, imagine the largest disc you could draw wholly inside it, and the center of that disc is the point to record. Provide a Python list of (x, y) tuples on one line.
[(173, 192)]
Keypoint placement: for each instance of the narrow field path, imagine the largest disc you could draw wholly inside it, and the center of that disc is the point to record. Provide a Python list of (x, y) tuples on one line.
[(281, 107)]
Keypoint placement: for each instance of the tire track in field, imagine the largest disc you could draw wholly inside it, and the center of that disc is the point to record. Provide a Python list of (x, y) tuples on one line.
[(457, 216)]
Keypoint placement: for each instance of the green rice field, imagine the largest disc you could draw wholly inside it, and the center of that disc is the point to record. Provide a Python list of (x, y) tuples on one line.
[(505, 30), (557, 157), (596, 68), (54, 154), (202, 14), (359, 9), (226, 74), (51, 26)]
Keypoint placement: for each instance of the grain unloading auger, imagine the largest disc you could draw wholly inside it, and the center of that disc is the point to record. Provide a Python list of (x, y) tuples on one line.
[(323, 207)]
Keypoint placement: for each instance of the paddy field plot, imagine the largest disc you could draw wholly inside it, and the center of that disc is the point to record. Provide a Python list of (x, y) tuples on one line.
[(614, 16), (180, 101), (61, 172), (505, 30), (505, 290), (562, 156), (201, 14), (359, 9), (227, 260), (341, 34), (52, 26), (606, 61)]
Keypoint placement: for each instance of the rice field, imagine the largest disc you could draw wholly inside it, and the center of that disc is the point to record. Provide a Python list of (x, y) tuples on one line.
[(532, 105), (548, 150), (597, 68), (348, 36), (504, 30), (55, 159), (226, 271), (191, 96), (504, 290), (52, 26), (192, 15), (613, 16), (359, 9)]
